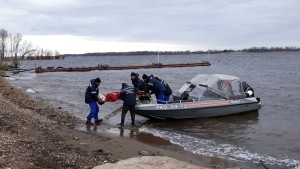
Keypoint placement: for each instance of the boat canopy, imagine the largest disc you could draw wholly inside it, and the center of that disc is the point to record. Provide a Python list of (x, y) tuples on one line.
[(211, 87)]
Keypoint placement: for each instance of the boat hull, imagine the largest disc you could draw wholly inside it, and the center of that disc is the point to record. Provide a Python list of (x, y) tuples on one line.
[(190, 110)]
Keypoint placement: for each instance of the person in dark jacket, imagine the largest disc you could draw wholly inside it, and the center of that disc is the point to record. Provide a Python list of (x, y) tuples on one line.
[(168, 91), (91, 98), (155, 87), (128, 95), (249, 92), (140, 86), (138, 83)]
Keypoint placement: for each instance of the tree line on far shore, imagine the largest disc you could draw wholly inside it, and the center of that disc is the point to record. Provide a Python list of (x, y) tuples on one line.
[(15, 47), (214, 51)]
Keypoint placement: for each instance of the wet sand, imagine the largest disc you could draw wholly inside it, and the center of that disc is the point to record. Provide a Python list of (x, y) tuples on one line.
[(34, 134)]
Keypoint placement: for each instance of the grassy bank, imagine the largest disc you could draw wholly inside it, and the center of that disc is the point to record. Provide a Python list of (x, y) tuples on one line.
[(5, 67)]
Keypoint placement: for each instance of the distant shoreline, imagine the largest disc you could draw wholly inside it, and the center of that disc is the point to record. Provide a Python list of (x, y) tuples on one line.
[(188, 52)]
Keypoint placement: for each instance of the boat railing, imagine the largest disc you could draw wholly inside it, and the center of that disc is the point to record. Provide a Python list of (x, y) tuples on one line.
[(182, 101)]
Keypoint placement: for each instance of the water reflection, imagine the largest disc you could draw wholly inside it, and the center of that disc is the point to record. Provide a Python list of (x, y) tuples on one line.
[(90, 128), (226, 127), (128, 132), (246, 118)]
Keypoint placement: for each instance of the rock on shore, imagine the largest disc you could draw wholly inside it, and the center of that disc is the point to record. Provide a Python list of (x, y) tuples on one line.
[(149, 162)]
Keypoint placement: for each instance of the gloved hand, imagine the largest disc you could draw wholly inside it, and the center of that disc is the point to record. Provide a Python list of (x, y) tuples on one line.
[(101, 102)]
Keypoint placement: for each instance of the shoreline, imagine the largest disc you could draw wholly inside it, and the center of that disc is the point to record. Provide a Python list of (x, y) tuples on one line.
[(36, 135)]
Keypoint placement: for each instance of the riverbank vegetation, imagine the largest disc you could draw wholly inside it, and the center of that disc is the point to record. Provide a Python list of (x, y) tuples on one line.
[(5, 67), (14, 47)]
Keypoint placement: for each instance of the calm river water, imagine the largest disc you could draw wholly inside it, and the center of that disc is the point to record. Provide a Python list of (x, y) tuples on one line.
[(271, 135)]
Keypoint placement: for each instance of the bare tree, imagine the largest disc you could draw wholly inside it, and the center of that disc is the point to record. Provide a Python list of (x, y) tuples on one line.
[(42, 52), (36, 53), (56, 53), (11, 39), (16, 42), (25, 49), (47, 54), (3, 39)]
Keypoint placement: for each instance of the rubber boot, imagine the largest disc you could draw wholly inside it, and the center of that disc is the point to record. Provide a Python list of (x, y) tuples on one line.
[(122, 119), (122, 123), (88, 122), (132, 119), (98, 121)]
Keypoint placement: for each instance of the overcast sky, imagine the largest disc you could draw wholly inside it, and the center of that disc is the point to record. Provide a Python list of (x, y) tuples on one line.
[(79, 26)]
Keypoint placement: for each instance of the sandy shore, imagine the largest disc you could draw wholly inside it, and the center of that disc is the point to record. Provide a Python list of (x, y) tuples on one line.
[(34, 134)]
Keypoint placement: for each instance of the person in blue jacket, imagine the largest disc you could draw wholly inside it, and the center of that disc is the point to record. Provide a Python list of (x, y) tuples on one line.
[(168, 91), (249, 92), (139, 86), (155, 87), (91, 98), (138, 83), (128, 95)]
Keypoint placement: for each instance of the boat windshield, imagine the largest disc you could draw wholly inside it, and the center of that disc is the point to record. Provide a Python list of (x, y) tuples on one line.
[(211, 87)]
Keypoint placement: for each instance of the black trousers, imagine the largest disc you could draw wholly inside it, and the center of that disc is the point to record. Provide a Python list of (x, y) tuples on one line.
[(132, 113)]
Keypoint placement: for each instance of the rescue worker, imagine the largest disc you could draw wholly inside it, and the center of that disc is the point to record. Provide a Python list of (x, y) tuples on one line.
[(168, 91), (138, 83), (128, 94), (139, 86), (249, 92), (91, 98), (155, 87)]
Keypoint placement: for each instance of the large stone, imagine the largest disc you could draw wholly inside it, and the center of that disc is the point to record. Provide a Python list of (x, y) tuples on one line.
[(149, 162)]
